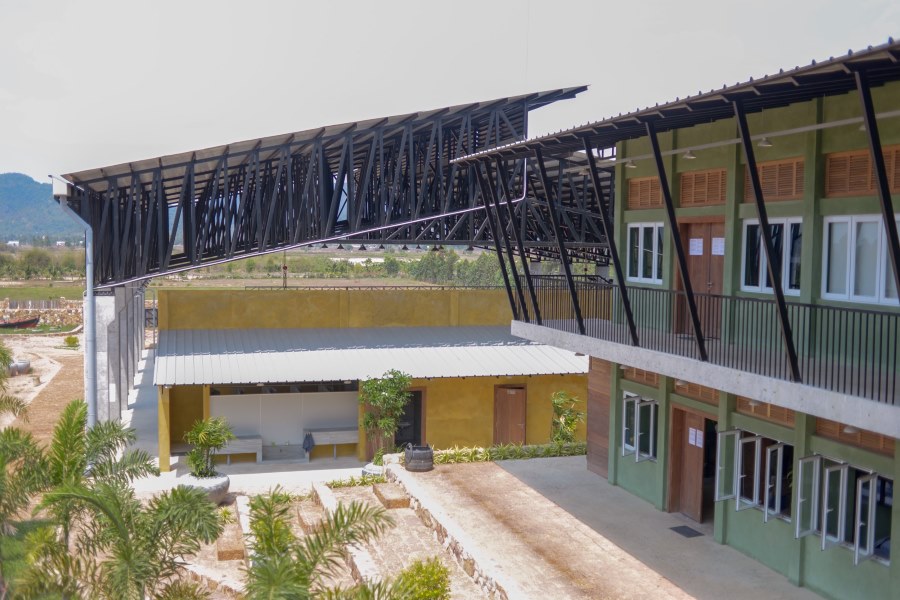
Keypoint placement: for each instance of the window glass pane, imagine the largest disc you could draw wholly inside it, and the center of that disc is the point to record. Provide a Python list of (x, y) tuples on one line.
[(865, 258), (751, 256), (884, 508), (748, 483), (796, 243), (777, 230), (659, 252), (629, 420), (633, 251), (647, 251), (890, 284), (648, 423), (836, 268)]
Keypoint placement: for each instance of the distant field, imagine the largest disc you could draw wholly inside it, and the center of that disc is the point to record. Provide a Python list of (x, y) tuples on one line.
[(41, 292), (220, 283)]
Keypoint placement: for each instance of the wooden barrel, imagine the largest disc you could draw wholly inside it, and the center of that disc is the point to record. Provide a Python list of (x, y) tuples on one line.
[(419, 458)]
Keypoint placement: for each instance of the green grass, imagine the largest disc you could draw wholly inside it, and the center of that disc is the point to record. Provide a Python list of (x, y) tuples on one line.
[(41, 328), (42, 292), (14, 549)]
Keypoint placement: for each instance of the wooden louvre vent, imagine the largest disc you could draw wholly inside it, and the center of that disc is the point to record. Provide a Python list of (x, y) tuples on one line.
[(640, 376), (762, 410), (852, 174), (703, 188), (696, 391), (868, 440), (780, 180), (644, 192)]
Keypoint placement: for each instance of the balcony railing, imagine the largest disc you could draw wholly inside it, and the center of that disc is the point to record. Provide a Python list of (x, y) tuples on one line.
[(846, 350)]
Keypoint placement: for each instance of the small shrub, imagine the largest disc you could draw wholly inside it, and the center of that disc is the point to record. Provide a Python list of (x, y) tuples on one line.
[(378, 460), (425, 580), (206, 437), (507, 452), (356, 481), (71, 341), (565, 417)]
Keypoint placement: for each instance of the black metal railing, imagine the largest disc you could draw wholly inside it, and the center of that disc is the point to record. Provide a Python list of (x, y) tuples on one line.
[(847, 350)]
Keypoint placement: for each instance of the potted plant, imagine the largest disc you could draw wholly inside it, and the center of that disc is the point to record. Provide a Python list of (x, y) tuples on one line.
[(384, 399), (207, 437)]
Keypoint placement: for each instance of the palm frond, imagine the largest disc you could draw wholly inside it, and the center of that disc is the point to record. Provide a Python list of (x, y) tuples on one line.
[(275, 578), (12, 405), (67, 451)]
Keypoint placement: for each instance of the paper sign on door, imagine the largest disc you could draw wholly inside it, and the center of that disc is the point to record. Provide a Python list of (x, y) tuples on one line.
[(718, 246), (699, 439), (696, 247), (692, 436)]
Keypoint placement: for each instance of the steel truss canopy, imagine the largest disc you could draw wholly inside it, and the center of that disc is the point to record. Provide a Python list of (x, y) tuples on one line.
[(381, 181), (828, 78)]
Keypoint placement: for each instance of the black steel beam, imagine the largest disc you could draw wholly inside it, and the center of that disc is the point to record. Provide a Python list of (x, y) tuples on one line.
[(557, 231), (676, 241), (606, 221), (504, 182), (884, 191), (501, 226), (490, 221), (774, 274)]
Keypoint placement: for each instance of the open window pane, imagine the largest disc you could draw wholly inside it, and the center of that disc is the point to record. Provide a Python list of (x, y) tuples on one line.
[(864, 538), (773, 481), (726, 455), (629, 416), (834, 502), (634, 250), (659, 253), (777, 230), (646, 430), (747, 468), (751, 255), (865, 262), (836, 257), (647, 261), (793, 257), (809, 470)]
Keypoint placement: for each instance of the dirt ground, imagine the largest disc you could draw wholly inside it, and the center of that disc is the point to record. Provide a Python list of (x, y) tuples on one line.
[(57, 378)]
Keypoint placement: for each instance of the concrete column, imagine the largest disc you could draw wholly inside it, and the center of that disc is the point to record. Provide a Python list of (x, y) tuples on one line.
[(105, 314), (164, 430)]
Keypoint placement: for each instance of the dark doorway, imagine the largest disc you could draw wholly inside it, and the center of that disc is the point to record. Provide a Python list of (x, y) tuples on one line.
[(410, 425), (693, 459)]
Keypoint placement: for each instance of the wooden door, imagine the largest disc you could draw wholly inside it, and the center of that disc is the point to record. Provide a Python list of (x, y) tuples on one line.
[(686, 467), (509, 415), (705, 254)]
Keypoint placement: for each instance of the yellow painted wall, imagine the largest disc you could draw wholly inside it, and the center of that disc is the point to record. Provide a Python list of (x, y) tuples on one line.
[(460, 412), (334, 308), (186, 406)]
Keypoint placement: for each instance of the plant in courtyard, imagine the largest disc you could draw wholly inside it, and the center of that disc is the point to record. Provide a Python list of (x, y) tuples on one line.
[(285, 566), (507, 452), (426, 580), (384, 399), (207, 437), (71, 341), (120, 547), (565, 417)]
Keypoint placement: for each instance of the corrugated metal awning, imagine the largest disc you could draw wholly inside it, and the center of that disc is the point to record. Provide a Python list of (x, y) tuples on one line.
[(250, 356)]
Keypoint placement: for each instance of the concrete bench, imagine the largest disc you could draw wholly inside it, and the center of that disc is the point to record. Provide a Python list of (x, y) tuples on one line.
[(322, 436), (244, 444)]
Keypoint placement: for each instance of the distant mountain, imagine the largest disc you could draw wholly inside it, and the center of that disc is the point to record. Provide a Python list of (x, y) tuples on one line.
[(28, 211)]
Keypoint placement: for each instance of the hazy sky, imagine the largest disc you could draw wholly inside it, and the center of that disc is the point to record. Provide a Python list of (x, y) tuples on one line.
[(87, 84)]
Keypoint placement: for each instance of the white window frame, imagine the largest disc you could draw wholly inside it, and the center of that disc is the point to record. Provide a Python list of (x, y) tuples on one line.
[(740, 502), (882, 268), (812, 500), (867, 550), (786, 251), (773, 483), (842, 470), (642, 406), (721, 439), (657, 249)]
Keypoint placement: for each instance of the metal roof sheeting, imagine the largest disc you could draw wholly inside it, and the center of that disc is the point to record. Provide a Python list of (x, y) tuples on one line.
[(250, 356)]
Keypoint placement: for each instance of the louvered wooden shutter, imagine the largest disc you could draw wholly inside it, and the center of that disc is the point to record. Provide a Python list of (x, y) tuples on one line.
[(769, 412), (703, 188), (640, 376), (780, 180), (875, 442), (852, 173), (697, 392), (644, 192)]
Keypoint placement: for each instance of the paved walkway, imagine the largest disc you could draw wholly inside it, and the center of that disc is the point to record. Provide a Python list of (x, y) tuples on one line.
[(555, 530)]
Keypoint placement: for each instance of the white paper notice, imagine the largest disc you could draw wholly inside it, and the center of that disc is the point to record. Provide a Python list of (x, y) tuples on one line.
[(692, 436), (696, 247), (699, 439), (718, 246)]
